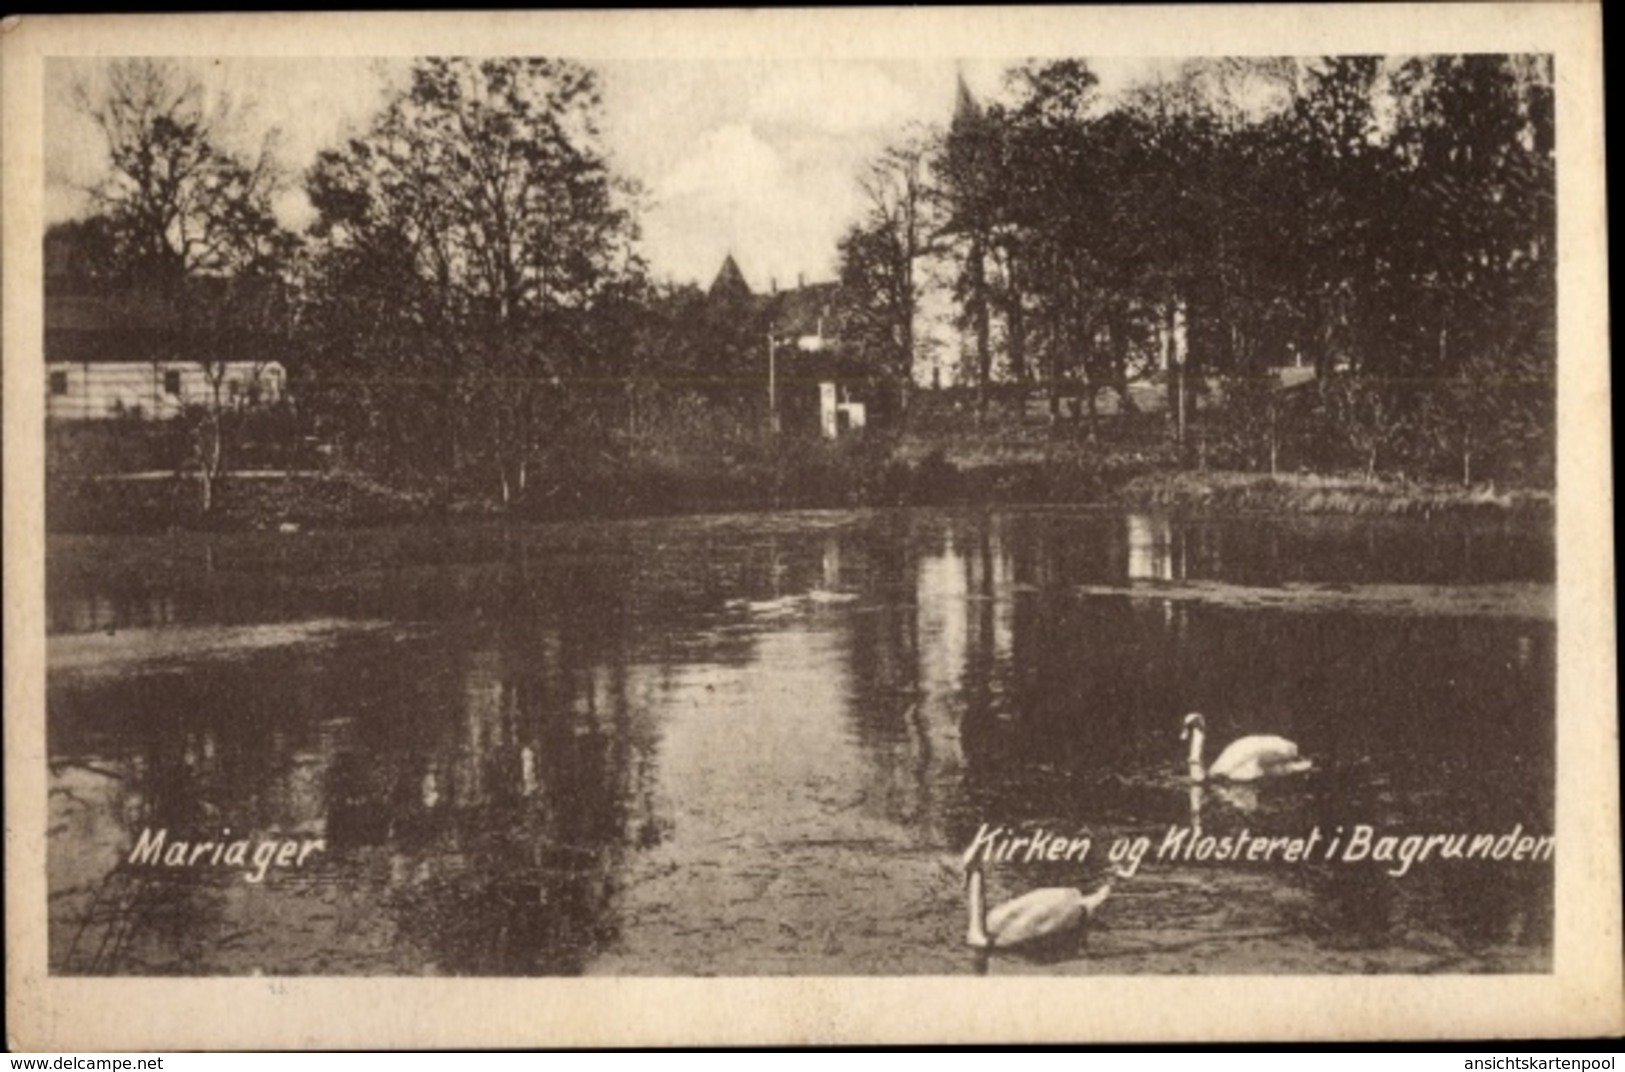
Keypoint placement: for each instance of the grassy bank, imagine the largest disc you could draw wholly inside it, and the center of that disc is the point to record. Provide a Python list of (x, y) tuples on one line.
[(689, 454), (812, 476), (1231, 492), (103, 505)]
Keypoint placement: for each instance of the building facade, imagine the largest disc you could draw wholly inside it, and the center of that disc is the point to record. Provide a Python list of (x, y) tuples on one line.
[(119, 352), (814, 386), (109, 388)]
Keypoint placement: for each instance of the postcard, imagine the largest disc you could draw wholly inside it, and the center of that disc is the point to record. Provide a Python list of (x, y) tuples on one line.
[(671, 528)]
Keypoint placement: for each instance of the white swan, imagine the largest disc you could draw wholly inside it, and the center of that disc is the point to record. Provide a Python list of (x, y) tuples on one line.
[(1035, 917), (1245, 760)]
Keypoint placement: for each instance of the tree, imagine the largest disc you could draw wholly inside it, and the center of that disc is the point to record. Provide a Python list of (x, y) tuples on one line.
[(1179, 140), (179, 201), (190, 221), (1473, 141), (1390, 222), (1047, 245), (879, 260), (491, 241), (967, 180), (1333, 164), (1077, 215)]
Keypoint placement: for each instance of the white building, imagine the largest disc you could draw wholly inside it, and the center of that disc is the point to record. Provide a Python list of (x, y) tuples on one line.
[(120, 354), (109, 387)]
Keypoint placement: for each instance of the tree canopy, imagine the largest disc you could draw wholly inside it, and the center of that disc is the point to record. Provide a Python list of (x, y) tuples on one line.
[(473, 248), (1384, 221)]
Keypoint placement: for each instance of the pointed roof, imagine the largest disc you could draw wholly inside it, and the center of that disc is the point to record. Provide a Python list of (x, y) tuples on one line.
[(730, 281)]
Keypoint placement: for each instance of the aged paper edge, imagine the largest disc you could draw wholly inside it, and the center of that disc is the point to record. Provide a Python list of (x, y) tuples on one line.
[(1583, 996)]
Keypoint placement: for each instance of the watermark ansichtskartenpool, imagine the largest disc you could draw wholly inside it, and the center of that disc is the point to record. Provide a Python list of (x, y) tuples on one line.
[(1544, 1064)]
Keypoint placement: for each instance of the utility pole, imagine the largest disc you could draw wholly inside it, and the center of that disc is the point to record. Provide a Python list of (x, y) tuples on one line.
[(772, 385), (1179, 352), (1180, 367)]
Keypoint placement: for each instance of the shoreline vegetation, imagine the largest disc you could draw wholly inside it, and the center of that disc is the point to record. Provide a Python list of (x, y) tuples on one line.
[(794, 476), (1095, 284)]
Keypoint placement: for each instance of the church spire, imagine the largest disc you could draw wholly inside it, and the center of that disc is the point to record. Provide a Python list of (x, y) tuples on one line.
[(965, 107)]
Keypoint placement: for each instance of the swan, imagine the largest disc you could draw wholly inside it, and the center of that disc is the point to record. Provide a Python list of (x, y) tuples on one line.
[(1245, 760), (1033, 918)]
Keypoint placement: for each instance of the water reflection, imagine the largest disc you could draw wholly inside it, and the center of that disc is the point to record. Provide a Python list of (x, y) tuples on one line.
[(1151, 554), (748, 745)]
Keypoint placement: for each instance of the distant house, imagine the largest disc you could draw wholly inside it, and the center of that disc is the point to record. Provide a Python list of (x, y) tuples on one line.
[(816, 385), (114, 351)]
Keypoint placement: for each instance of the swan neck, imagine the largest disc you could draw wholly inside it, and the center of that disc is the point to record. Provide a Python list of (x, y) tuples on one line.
[(1093, 901), (976, 928), (1195, 758)]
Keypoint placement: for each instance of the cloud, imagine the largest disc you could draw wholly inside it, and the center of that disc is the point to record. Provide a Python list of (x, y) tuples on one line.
[(756, 157), (311, 104), (833, 98), (735, 192), (727, 162)]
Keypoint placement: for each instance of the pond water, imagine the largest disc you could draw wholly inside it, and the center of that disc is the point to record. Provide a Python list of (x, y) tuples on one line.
[(760, 744)]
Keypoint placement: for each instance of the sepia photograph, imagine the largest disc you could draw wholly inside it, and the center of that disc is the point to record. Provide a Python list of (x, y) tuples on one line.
[(525, 512)]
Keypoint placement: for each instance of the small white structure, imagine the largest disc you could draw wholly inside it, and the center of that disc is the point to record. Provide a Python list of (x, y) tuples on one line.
[(827, 422), (122, 352), (103, 389), (850, 416), (836, 415)]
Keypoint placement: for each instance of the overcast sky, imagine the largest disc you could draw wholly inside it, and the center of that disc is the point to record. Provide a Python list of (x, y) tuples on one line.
[(757, 158)]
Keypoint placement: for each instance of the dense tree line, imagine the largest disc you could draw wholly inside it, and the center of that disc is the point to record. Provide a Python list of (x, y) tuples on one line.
[(467, 306), (190, 221), (1388, 223), (473, 267), (469, 302)]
